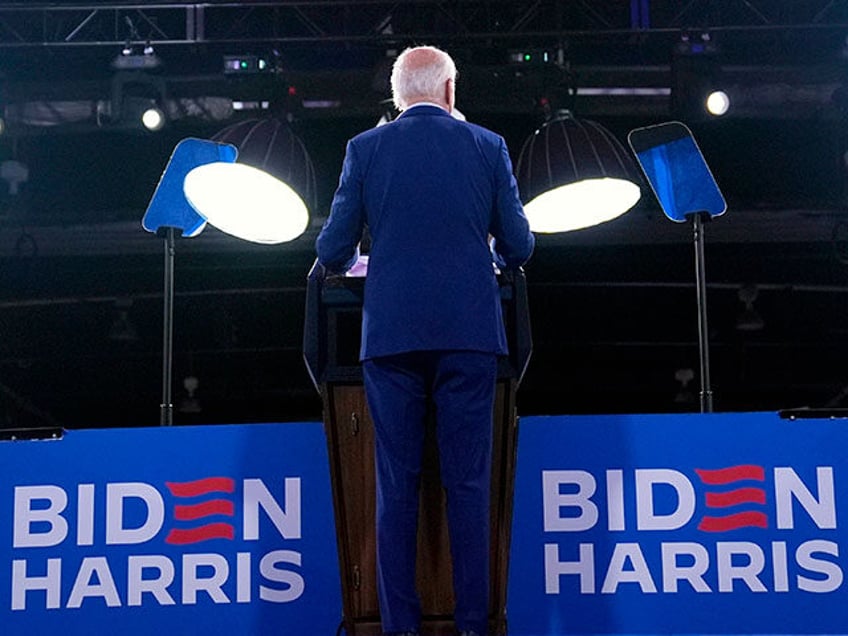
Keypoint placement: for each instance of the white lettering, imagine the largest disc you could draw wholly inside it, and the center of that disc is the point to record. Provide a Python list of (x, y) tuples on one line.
[(638, 574), (151, 579), (243, 594), (294, 581), (584, 567), (787, 485), (116, 494), (646, 518), (26, 516), (85, 514), (746, 572), (104, 588), (831, 571), (779, 566), (693, 573), (194, 583), (287, 522), (51, 583), (615, 500), (137, 585), (554, 501)]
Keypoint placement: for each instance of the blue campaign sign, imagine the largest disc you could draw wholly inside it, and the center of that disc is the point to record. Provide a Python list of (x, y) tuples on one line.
[(679, 524), (178, 530)]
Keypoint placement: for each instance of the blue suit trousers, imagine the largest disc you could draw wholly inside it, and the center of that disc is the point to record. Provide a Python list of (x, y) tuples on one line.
[(460, 386)]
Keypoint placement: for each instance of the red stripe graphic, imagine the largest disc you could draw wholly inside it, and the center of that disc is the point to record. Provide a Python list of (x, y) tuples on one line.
[(205, 509), (203, 533), (736, 497), (733, 522), (201, 486), (728, 475)]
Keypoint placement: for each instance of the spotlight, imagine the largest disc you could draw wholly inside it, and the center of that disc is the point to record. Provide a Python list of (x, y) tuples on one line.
[(129, 57), (696, 44), (153, 118), (531, 57), (717, 103), (696, 79), (130, 60), (241, 64)]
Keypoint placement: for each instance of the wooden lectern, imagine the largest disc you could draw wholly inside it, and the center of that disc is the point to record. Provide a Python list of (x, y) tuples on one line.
[(331, 350)]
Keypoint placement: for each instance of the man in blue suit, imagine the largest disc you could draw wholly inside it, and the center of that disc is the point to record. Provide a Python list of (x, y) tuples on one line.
[(432, 190)]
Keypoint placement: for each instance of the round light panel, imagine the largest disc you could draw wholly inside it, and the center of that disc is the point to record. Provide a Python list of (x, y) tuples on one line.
[(581, 205), (246, 202)]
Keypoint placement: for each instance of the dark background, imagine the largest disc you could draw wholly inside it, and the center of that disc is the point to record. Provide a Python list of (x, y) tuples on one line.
[(613, 308)]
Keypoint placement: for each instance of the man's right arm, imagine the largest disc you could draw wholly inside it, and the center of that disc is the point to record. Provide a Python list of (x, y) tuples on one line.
[(514, 242)]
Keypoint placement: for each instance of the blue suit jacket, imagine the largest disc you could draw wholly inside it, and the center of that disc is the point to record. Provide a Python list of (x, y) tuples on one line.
[(431, 189)]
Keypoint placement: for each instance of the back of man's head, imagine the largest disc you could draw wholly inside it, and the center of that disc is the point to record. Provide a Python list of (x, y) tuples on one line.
[(419, 74)]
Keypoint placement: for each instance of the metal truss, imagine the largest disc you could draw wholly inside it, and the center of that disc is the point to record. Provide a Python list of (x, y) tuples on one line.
[(57, 68), (68, 24)]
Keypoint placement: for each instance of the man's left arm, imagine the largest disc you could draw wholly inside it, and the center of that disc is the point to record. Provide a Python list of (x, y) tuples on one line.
[(337, 243)]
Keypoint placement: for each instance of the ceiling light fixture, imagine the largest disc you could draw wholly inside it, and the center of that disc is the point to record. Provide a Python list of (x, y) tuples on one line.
[(153, 118), (717, 103)]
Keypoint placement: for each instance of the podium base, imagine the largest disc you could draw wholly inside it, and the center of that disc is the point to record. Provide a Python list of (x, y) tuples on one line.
[(430, 626), (350, 442)]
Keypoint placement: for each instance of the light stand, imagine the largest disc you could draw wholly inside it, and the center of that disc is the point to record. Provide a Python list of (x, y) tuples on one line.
[(686, 190), (203, 183), (698, 219), (166, 408), (168, 212)]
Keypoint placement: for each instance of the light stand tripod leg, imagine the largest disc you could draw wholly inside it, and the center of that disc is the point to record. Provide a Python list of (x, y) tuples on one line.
[(703, 331), (166, 413)]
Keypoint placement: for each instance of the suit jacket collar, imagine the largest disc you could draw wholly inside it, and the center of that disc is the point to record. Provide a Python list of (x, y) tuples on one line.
[(424, 109)]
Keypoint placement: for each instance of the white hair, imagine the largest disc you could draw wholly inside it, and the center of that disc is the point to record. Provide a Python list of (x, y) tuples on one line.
[(420, 73)]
